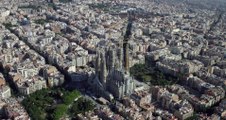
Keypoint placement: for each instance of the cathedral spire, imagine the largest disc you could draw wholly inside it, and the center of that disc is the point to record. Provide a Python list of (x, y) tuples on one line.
[(103, 73), (97, 65)]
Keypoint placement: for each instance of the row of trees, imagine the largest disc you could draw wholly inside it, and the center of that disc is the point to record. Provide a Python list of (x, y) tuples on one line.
[(101, 6), (9, 25), (65, 1), (35, 7), (41, 21)]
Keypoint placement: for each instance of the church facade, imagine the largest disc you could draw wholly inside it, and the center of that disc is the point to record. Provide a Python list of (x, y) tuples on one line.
[(111, 76)]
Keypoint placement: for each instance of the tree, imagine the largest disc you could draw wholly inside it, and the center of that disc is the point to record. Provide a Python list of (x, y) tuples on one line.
[(41, 21), (9, 25), (146, 78), (40, 104), (36, 103), (81, 106), (29, 7), (59, 111), (69, 97), (142, 73)]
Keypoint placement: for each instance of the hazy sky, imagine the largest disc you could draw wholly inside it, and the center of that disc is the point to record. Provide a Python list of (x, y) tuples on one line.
[(205, 4)]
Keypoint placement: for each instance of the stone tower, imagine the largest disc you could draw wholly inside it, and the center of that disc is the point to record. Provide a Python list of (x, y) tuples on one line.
[(126, 56), (97, 65), (120, 57), (103, 70), (111, 59)]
